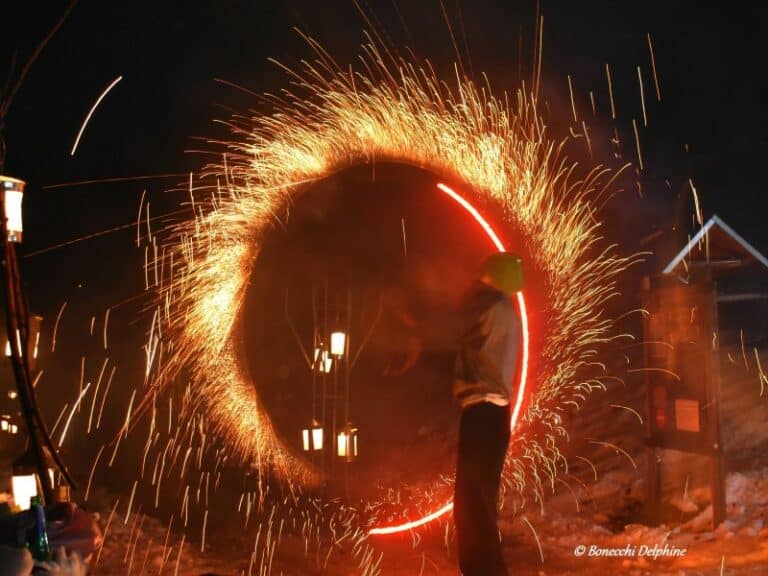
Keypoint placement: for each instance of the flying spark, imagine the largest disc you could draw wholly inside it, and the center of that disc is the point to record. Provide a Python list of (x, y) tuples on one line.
[(91, 111)]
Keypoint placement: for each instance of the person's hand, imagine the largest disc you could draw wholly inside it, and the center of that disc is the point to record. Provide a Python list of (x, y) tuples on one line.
[(64, 565), (15, 561)]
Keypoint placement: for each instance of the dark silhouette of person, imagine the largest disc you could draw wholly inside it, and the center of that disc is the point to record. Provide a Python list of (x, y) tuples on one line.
[(486, 365)]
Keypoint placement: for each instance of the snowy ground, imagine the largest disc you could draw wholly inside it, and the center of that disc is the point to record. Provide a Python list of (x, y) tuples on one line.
[(606, 514), (739, 546)]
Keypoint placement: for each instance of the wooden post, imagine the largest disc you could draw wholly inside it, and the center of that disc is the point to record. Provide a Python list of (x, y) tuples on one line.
[(653, 480), (653, 488), (17, 326), (718, 473)]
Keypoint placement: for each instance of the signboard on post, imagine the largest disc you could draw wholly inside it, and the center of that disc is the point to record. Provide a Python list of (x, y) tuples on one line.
[(682, 381)]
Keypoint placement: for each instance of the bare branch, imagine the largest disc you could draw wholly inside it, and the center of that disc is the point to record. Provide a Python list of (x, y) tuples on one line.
[(7, 100)]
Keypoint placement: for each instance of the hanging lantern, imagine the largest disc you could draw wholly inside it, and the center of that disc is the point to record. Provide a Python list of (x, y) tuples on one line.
[(338, 344), (312, 437), (25, 482), (323, 361), (12, 195), (33, 345), (5, 425), (14, 429), (8, 352), (346, 443)]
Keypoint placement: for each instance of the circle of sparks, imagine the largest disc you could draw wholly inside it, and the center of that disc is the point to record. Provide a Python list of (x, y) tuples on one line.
[(393, 113)]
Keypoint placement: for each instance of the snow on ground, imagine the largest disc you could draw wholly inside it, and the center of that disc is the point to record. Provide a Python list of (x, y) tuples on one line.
[(738, 546), (605, 512)]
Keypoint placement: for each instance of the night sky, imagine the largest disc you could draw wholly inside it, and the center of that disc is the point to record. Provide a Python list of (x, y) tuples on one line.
[(709, 60), (710, 126)]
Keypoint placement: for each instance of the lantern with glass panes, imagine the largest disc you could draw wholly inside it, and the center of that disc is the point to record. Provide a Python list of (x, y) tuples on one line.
[(33, 344), (22, 339), (323, 362), (346, 443), (312, 434), (330, 362), (312, 437), (26, 482), (338, 343), (7, 425), (13, 195), (346, 439)]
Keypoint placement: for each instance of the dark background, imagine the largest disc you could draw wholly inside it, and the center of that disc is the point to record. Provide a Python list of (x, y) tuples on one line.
[(709, 60), (710, 125)]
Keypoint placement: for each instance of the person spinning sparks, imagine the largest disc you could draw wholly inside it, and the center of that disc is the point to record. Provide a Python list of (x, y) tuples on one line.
[(486, 365)]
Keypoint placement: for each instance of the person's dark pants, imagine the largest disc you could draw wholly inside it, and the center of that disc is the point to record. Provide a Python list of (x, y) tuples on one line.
[(483, 441)]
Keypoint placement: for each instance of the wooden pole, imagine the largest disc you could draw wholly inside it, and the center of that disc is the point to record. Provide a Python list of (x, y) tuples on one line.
[(713, 399), (19, 347)]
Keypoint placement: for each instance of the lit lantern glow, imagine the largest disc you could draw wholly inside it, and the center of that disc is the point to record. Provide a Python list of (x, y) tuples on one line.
[(312, 437), (338, 344), (323, 361), (346, 443), (5, 426), (13, 194), (24, 488), (25, 479), (14, 429), (8, 351), (33, 346)]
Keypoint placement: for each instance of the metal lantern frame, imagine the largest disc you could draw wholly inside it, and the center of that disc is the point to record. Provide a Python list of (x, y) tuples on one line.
[(330, 361), (338, 343), (347, 443), (19, 327), (12, 198), (313, 437), (26, 481)]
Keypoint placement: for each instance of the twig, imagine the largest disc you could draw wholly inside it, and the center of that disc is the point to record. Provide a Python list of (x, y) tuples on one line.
[(6, 104)]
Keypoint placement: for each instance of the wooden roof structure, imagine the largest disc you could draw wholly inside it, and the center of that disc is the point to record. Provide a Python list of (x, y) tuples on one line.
[(716, 245)]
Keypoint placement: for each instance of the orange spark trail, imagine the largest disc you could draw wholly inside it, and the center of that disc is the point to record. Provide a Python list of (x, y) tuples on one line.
[(90, 113)]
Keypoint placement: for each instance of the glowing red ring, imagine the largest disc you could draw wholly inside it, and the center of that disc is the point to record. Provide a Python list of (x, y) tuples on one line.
[(523, 368)]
